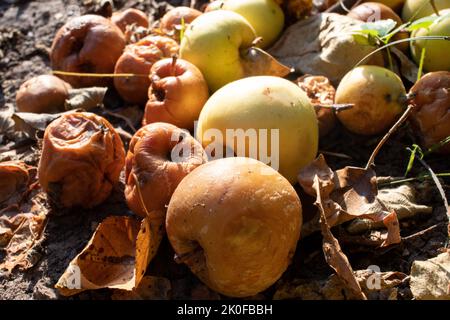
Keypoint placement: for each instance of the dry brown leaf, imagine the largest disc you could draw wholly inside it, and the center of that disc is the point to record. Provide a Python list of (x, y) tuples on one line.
[(331, 248), (116, 257), (347, 194), (430, 279), (258, 62), (21, 231), (150, 288), (375, 285), (85, 98), (15, 179), (323, 45)]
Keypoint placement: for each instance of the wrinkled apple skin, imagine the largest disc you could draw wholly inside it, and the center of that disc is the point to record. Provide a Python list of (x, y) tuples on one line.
[(184, 90), (265, 16), (376, 93), (82, 156), (42, 94), (431, 115), (151, 174), (265, 102), (173, 18), (130, 16), (437, 51), (87, 44), (411, 8), (235, 222), (138, 58), (212, 42)]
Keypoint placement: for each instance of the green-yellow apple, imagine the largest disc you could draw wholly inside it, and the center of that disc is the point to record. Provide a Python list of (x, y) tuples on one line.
[(261, 117), (265, 16), (436, 51), (213, 41), (377, 95), (416, 9)]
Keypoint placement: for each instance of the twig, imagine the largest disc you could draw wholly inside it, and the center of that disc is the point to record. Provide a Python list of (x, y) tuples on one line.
[(335, 154), (117, 115), (391, 181), (388, 135), (422, 232)]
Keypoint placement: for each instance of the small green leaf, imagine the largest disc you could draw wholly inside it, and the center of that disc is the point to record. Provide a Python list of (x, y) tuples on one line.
[(378, 28), (415, 150), (422, 23)]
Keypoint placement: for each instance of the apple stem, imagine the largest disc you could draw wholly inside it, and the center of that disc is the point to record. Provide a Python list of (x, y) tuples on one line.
[(173, 65), (433, 5), (336, 106), (257, 41)]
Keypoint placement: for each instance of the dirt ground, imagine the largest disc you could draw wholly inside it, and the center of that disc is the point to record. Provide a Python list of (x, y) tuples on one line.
[(26, 32)]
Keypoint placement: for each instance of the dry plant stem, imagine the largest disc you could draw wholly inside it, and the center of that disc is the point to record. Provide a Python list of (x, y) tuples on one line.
[(335, 154), (98, 75), (128, 122), (388, 135), (422, 232), (441, 192)]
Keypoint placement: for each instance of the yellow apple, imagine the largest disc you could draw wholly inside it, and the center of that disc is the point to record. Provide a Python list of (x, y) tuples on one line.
[(240, 112), (213, 41), (416, 9), (265, 16), (436, 51)]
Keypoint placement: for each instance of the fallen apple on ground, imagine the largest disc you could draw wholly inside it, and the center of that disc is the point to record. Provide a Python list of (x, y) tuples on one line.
[(42, 94), (137, 59), (257, 104), (436, 51), (160, 155), (220, 43), (177, 93), (87, 44), (128, 17), (176, 19), (235, 223), (378, 96), (82, 157), (265, 16)]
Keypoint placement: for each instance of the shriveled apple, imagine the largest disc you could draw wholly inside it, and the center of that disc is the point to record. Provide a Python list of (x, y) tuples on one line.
[(87, 44), (82, 156), (137, 59), (431, 115), (177, 93), (378, 96), (42, 94), (321, 93), (177, 18), (160, 155), (235, 223), (128, 17)]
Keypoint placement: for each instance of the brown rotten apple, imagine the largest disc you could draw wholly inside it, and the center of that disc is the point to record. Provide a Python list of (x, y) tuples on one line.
[(235, 222), (321, 93), (128, 17), (172, 21), (87, 44), (159, 157), (177, 93), (431, 115), (138, 58), (82, 156), (42, 94)]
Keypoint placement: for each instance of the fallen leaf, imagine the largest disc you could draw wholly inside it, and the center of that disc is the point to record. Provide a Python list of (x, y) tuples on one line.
[(347, 194), (408, 69), (6, 122), (258, 62), (85, 98), (116, 257), (334, 256), (323, 45), (430, 279), (401, 200), (22, 228), (30, 123), (375, 285), (150, 288)]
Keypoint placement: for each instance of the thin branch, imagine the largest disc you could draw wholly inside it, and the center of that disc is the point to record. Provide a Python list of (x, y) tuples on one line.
[(388, 135)]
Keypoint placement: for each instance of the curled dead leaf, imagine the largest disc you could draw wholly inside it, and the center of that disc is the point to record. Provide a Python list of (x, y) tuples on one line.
[(257, 62), (347, 194), (116, 257), (85, 98)]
